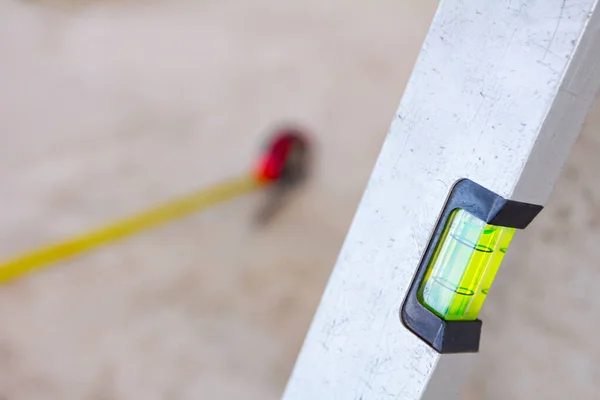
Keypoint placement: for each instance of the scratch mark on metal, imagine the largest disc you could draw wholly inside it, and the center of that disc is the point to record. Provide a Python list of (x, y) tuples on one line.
[(562, 10)]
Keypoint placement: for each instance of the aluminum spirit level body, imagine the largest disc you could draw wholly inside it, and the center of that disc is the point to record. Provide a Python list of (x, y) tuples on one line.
[(498, 95)]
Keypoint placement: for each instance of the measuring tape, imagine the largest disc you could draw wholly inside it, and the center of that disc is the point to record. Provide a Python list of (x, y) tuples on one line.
[(128, 226), (282, 163)]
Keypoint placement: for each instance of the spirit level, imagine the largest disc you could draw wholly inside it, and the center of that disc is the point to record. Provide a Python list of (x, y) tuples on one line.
[(496, 99)]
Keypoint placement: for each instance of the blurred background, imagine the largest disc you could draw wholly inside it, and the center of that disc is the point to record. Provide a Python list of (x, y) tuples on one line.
[(107, 107)]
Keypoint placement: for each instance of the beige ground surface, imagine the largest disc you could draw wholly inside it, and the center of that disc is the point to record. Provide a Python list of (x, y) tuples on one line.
[(106, 107)]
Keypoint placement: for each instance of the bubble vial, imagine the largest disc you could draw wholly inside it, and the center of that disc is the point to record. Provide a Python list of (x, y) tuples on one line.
[(463, 267)]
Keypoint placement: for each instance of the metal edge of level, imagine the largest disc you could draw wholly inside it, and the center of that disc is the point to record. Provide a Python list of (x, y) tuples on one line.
[(498, 95)]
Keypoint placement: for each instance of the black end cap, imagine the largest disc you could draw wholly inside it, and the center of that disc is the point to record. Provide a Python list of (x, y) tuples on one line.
[(458, 337), (515, 214)]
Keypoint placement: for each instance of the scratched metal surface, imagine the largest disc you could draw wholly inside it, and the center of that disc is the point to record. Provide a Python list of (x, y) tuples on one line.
[(493, 80)]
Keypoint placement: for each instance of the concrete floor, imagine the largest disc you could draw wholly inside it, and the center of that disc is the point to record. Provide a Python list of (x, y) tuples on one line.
[(107, 107)]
